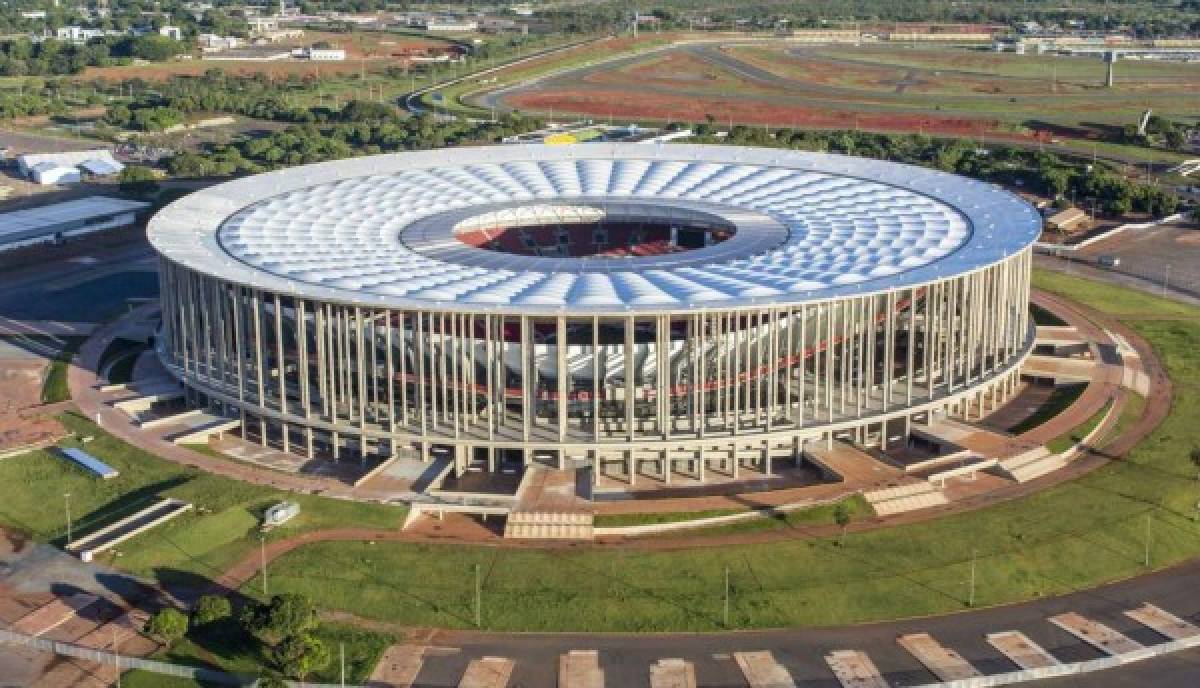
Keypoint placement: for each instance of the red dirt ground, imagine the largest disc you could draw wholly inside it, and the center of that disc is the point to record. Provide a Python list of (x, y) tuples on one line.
[(623, 104), (159, 72)]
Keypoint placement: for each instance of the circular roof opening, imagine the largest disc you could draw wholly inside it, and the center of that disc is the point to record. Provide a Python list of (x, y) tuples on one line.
[(593, 230)]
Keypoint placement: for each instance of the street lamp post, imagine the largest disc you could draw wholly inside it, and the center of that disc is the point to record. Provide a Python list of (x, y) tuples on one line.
[(726, 615), (67, 504), (263, 562)]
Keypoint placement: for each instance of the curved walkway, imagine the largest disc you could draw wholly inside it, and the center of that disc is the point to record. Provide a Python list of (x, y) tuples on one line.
[(84, 386)]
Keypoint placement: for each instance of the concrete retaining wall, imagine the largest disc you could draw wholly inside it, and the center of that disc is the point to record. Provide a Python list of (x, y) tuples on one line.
[(659, 528)]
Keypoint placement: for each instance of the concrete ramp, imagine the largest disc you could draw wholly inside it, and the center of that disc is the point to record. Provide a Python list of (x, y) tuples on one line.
[(1060, 369), (1163, 622), (1031, 464), (910, 497), (135, 405), (1021, 651), (399, 667), (762, 670), (206, 426), (672, 673), (845, 462), (1059, 335), (548, 508), (487, 672), (941, 661), (1096, 634), (135, 524), (580, 669), (854, 669)]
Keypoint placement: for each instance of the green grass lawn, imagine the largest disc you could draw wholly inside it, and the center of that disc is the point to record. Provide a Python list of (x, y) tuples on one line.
[(32, 485), (1076, 434), (1065, 538), (145, 679), (1060, 399), (54, 387), (198, 545), (645, 519)]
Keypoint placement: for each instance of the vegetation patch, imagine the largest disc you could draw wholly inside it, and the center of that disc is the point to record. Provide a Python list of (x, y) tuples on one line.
[(1059, 400), (1069, 439), (54, 387)]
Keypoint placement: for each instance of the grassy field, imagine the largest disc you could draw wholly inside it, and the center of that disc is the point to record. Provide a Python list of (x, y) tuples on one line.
[(1076, 434), (945, 90), (54, 387), (192, 548), (1064, 538), (1061, 398)]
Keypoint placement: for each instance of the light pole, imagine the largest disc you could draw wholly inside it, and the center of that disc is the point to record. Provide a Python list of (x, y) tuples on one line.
[(263, 562), (478, 598), (1166, 279), (342, 656), (1147, 560), (67, 503), (971, 599), (726, 615), (116, 656)]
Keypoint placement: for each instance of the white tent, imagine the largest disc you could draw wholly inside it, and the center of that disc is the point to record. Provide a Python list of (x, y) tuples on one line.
[(47, 173)]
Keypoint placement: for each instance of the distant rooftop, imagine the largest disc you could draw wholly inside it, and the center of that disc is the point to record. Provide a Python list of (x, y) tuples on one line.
[(31, 223)]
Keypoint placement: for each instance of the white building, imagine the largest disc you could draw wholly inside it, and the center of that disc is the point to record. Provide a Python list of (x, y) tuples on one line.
[(262, 23), (325, 54), (450, 26), (211, 41), (67, 168), (78, 34), (34, 14), (62, 220), (48, 174), (173, 32)]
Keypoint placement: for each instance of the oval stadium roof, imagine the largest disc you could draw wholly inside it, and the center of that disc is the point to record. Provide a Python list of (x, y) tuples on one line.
[(378, 230)]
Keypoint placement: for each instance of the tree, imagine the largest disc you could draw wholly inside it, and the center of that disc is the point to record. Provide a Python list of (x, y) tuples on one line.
[(138, 179), (270, 681), (841, 516), (1196, 461), (285, 616), (211, 609), (300, 655), (168, 624)]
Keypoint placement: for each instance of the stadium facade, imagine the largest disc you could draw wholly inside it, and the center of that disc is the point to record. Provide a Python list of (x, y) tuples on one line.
[(675, 309)]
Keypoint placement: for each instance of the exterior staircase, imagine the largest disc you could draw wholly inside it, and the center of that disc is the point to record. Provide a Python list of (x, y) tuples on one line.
[(548, 508)]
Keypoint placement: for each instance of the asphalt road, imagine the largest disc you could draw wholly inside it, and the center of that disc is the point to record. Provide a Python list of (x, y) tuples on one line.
[(626, 657)]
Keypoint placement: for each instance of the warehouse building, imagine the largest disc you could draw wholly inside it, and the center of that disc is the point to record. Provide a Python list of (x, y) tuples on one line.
[(60, 221)]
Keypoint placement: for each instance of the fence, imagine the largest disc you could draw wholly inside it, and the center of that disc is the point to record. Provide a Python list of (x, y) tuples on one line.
[(128, 663)]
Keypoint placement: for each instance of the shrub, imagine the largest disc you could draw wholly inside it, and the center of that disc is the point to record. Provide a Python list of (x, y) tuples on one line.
[(211, 609), (168, 624)]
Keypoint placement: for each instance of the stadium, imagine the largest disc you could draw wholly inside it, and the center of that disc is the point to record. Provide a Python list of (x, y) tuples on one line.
[(634, 309)]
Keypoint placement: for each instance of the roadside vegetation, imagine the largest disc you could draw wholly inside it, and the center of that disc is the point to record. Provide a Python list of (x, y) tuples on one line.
[(1057, 176), (54, 387)]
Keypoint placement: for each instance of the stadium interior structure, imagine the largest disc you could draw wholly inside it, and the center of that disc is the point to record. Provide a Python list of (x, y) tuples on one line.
[(633, 309)]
